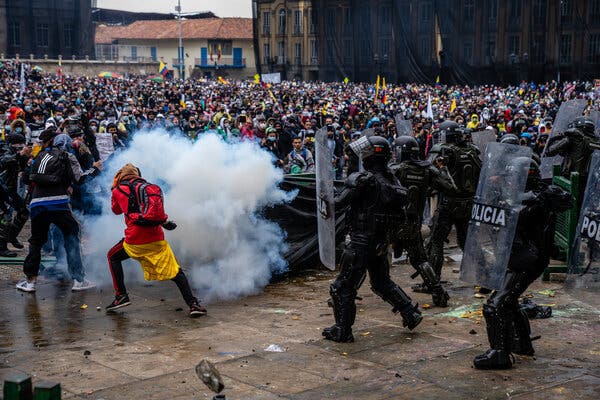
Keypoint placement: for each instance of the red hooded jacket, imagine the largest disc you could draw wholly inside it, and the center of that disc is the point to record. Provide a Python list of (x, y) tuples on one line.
[(134, 234)]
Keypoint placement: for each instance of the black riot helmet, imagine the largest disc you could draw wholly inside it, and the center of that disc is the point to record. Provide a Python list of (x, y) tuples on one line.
[(584, 124), (374, 151), (510, 138), (407, 148), (451, 131)]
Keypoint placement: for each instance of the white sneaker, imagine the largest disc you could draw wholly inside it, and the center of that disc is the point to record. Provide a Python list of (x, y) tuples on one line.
[(85, 285), (26, 286)]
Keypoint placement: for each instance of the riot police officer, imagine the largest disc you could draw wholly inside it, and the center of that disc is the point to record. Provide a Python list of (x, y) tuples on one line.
[(576, 145), (373, 197), (13, 159), (418, 176), (507, 326), (464, 165)]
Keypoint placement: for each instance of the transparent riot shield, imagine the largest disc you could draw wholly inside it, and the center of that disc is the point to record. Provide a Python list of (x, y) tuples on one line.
[(595, 116), (404, 127), (360, 147), (481, 140), (495, 214), (325, 199), (568, 111), (583, 277)]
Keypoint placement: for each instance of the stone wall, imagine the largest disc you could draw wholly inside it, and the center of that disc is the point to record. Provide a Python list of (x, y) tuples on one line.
[(93, 68)]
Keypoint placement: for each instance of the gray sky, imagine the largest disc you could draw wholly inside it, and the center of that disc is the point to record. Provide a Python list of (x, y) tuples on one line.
[(222, 8)]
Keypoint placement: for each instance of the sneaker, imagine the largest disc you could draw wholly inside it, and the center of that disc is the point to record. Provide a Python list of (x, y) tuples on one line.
[(196, 310), (85, 285), (121, 300), (26, 286)]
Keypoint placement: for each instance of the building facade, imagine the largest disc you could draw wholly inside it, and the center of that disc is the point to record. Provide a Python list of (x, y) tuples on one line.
[(46, 28), (461, 41), (286, 38), (211, 46)]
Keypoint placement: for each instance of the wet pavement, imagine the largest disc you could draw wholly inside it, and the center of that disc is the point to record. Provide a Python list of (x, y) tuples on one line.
[(149, 349)]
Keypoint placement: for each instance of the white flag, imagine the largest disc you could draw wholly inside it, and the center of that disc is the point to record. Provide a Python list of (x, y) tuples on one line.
[(22, 79), (429, 108)]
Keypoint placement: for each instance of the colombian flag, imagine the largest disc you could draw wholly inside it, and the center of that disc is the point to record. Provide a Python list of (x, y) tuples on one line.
[(221, 80), (384, 99), (162, 69)]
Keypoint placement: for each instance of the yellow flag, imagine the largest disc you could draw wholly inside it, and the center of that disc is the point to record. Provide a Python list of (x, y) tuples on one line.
[(221, 80), (346, 80), (256, 78), (377, 89), (437, 79), (453, 105)]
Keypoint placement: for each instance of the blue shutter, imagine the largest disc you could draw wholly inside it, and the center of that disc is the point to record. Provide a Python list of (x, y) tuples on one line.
[(153, 53), (203, 56), (237, 56)]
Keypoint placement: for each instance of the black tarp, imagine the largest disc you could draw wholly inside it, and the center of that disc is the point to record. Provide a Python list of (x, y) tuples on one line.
[(299, 220)]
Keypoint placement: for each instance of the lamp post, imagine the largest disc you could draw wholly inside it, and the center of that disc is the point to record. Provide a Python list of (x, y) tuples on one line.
[(180, 45)]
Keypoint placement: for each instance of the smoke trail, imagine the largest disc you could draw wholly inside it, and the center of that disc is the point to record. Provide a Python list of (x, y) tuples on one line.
[(214, 191)]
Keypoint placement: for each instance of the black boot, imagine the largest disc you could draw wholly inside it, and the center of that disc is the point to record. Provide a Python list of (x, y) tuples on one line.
[(4, 252), (344, 311), (521, 338), (439, 296), (498, 330), (411, 316)]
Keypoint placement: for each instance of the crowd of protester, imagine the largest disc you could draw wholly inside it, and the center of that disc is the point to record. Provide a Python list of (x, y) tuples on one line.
[(94, 117)]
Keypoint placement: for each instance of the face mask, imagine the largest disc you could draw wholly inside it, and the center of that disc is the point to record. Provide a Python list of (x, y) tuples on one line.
[(271, 139), (262, 126), (125, 119), (94, 128), (18, 130)]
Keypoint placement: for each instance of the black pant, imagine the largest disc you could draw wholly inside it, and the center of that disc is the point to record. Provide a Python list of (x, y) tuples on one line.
[(356, 261), (116, 255), (443, 220), (11, 229), (68, 225)]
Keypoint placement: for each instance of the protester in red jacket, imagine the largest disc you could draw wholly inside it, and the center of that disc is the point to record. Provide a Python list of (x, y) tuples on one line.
[(144, 239)]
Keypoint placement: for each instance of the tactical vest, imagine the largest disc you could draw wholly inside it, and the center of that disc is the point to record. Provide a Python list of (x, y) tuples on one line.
[(464, 165)]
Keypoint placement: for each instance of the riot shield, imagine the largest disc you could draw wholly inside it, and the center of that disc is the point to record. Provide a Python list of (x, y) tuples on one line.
[(404, 127), (481, 140), (358, 149), (495, 214), (568, 111), (595, 116), (325, 199), (583, 277)]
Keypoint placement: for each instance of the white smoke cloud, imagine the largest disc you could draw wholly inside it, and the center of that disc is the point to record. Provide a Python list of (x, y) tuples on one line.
[(214, 191)]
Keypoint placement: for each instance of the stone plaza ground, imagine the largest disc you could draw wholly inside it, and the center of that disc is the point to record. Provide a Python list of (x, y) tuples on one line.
[(149, 349)]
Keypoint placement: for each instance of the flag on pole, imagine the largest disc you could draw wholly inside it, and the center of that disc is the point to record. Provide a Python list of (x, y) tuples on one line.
[(429, 108), (377, 89), (59, 70), (22, 79), (257, 78), (182, 100), (346, 80), (384, 93), (453, 105), (162, 69), (221, 80)]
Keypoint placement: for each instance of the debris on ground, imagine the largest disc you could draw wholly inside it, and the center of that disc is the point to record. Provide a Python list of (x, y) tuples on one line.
[(211, 377), (274, 348), (547, 292), (535, 311)]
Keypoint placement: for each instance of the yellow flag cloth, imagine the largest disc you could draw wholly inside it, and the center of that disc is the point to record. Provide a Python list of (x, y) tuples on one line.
[(157, 259)]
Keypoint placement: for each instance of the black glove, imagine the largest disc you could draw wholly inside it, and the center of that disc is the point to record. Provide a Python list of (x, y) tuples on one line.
[(169, 225)]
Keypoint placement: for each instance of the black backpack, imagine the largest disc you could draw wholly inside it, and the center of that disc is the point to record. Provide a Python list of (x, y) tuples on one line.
[(50, 167)]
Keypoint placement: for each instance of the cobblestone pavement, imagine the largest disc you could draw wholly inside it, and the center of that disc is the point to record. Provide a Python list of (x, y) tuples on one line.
[(149, 350)]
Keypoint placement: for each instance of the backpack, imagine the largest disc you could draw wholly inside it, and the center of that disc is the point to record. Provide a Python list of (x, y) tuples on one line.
[(146, 205), (50, 168)]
